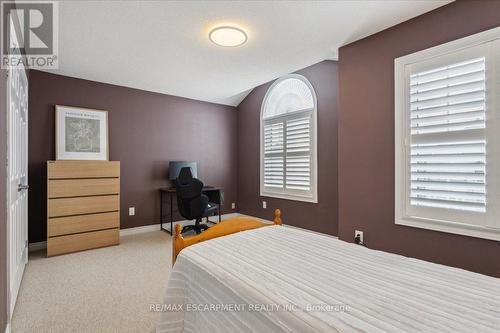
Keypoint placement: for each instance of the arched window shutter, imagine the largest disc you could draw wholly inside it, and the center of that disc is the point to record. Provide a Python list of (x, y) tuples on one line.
[(288, 140)]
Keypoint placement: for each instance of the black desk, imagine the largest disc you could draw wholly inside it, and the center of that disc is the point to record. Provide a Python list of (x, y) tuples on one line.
[(214, 194)]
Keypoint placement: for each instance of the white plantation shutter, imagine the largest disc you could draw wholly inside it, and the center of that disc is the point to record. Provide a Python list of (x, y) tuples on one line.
[(447, 140), (448, 146), (288, 154), (274, 155), (298, 153)]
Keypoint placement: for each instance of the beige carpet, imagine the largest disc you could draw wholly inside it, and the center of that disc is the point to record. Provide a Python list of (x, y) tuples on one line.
[(104, 290)]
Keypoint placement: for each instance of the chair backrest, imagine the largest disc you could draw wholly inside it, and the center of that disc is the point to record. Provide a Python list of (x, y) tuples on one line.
[(189, 190), (185, 175)]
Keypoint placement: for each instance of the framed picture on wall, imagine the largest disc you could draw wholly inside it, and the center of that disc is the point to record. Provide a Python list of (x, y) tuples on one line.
[(81, 134)]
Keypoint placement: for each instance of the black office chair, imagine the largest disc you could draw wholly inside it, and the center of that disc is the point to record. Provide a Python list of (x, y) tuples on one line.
[(191, 202)]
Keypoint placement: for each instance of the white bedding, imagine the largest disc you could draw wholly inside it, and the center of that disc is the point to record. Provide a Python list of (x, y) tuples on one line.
[(288, 271)]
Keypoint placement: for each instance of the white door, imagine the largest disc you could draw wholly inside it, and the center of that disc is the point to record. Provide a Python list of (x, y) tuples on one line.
[(17, 116)]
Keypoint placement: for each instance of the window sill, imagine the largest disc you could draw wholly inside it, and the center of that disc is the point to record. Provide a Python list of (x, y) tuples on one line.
[(288, 197), (451, 227)]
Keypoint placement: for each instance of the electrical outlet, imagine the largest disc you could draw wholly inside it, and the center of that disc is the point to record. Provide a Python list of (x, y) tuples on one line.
[(131, 211), (233, 205), (264, 204), (360, 233)]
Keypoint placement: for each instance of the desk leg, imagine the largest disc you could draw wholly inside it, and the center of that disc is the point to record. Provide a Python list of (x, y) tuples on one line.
[(162, 221), (171, 214), (161, 210)]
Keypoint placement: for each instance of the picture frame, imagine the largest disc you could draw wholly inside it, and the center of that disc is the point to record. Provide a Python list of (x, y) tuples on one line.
[(81, 133)]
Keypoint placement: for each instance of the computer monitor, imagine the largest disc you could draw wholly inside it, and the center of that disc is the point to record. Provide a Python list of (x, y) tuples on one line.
[(175, 167)]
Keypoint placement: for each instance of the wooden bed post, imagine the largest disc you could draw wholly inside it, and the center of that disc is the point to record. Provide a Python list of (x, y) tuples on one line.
[(277, 217), (178, 242)]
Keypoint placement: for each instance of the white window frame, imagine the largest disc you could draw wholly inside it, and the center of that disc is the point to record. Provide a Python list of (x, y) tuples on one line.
[(292, 194), (481, 225)]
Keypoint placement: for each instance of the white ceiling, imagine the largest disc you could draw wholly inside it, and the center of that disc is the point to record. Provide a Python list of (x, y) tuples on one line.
[(163, 46)]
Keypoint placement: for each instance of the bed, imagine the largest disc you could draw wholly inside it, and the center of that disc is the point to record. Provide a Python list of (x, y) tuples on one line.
[(274, 278)]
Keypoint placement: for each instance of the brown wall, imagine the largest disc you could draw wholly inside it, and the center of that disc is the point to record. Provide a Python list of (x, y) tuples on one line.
[(322, 216), (366, 138), (146, 130)]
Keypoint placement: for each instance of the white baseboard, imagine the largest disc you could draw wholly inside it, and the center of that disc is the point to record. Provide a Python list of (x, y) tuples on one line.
[(154, 227), (288, 226), (137, 230), (257, 218), (37, 246), (314, 232)]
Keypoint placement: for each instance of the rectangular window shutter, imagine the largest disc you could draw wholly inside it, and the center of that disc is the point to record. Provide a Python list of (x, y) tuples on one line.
[(273, 155), (298, 153), (448, 145)]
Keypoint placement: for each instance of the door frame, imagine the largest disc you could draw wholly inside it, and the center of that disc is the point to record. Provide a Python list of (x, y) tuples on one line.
[(10, 304), (11, 188), (4, 159), (6, 189)]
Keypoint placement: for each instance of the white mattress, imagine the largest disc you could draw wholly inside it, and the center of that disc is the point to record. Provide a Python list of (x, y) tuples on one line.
[(287, 271)]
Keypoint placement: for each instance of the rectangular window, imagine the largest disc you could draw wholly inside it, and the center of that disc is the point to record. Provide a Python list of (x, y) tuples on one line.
[(446, 111), (288, 156), (448, 147)]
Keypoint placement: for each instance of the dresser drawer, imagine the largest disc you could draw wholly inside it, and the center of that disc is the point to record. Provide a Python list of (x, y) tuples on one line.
[(83, 205), (82, 223), (85, 241), (63, 188), (82, 169)]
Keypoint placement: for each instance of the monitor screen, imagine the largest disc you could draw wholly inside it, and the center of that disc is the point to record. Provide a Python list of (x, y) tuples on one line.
[(175, 167)]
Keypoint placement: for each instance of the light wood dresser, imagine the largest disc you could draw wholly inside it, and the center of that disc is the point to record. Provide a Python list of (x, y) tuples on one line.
[(83, 205)]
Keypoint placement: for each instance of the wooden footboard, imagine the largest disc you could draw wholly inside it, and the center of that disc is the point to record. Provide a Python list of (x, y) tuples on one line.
[(223, 228)]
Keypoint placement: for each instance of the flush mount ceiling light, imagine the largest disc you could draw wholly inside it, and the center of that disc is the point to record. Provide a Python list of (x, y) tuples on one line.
[(228, 36)]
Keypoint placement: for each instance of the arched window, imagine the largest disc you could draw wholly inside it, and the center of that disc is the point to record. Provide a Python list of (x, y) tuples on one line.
[(288, 154)]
